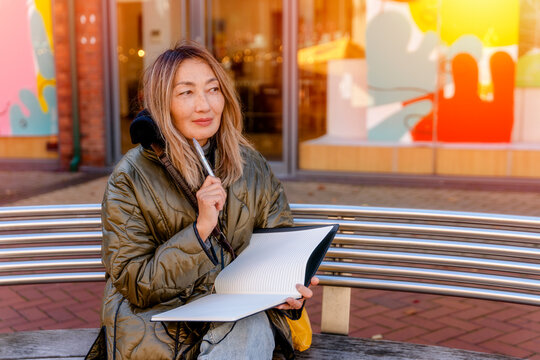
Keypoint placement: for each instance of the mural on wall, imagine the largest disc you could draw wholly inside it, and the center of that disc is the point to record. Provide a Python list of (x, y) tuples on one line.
[(465, 116), (444, 74), (28, 89), (396, 72)]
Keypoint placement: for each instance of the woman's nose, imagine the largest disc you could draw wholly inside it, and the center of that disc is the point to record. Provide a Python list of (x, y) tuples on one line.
[(201, 103)]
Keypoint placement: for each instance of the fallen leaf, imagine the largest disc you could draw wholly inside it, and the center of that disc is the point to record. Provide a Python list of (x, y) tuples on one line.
[(410, 311)]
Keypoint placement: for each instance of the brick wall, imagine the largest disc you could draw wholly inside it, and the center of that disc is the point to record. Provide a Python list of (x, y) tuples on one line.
[(89, 42), (63, 80)]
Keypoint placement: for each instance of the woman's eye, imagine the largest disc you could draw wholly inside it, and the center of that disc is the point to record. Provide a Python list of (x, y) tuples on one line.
[(214, 89), (185, 92)]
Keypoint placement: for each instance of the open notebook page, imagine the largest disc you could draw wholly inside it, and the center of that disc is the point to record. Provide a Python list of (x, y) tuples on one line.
[(262, 276), (274, 262)]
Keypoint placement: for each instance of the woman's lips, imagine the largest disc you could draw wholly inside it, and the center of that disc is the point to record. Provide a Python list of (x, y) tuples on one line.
[(203, 122)]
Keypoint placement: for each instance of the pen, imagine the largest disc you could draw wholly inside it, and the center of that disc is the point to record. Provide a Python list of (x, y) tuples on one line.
[(200, 152)]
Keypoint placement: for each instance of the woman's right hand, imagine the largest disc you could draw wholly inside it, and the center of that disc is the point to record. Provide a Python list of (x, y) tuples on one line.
[(211, 200)]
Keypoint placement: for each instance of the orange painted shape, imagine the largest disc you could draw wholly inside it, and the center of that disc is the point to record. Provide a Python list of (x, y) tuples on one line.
[(465, 117)]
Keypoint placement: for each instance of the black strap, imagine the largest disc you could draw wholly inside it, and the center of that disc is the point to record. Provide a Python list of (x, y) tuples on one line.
[(115, 323), (178, 178), (222, 240), (176, 340), (175, 175)]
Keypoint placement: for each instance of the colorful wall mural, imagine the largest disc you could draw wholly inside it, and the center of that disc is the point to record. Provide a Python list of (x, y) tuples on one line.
[(28, 105), (451, 68), (437, 83)]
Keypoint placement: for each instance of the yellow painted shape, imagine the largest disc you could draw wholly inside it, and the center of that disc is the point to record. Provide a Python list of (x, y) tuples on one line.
[(41, 83), (494, 22), (425, 14), (485, 90), (44, 7)]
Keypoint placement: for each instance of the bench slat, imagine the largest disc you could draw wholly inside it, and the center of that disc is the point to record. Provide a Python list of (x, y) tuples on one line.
[(414, 243), (326, 211), (50, 264), (430, 288), (30, 252), (38, 238), (433, 259), (51, 278), (335, 347), (433, 274), (51, 210), (49, 224), (420, 229)]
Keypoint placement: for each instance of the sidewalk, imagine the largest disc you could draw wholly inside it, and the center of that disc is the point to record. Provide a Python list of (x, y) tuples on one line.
[(470, 324)]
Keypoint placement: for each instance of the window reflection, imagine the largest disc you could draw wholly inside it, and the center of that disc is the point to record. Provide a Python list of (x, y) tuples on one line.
[(145, 29), (328, 32), (246, 38)]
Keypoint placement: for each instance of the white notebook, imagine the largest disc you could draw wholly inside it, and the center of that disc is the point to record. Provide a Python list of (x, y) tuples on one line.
[(264, 275)]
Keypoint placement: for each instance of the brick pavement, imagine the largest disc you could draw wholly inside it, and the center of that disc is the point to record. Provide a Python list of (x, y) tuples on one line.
[(17, 185), (470, 324)]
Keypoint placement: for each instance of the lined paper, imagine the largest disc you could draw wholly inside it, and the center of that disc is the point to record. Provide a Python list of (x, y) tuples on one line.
[(263, 276)]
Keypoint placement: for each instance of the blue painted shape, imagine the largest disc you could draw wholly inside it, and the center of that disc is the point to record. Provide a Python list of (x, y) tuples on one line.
[(40, 44), (394, 73), (38, 123), (395, 126)]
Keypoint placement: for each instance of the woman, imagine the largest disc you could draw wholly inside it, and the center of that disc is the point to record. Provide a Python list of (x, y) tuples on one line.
[(153, 238)]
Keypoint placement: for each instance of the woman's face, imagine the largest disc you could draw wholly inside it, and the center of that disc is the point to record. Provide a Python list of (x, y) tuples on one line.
[(197, 101)]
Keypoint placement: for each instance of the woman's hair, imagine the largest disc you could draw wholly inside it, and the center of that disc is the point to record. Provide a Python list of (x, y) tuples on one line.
[(158, 83)]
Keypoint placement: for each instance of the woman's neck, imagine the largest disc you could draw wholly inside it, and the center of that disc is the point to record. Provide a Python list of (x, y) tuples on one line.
[(206, 147)]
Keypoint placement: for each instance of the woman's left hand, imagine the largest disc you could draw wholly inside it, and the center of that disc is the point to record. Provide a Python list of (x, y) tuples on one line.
[(306, 293)]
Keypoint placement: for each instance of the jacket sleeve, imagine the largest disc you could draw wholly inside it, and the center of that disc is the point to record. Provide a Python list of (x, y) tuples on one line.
[(273, 206), (145, 271)]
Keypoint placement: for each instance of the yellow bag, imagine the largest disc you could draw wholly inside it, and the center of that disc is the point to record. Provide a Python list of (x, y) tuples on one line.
[(301, 331)]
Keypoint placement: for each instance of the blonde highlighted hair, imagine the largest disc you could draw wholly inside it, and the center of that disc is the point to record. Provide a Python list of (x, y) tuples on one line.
[(158, 85)]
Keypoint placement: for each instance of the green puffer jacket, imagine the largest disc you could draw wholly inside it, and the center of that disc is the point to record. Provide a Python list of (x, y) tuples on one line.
[(154, 261)]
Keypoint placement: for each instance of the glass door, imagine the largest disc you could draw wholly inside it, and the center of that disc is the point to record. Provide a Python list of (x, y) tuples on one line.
[(145, 29), (247, 38), (331, 81)]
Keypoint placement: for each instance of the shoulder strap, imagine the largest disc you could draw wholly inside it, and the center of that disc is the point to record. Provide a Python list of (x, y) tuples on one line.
[(179, 179), (175, 174)]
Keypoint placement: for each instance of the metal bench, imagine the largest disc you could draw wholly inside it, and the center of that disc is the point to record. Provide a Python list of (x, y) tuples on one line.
[(484, 256)]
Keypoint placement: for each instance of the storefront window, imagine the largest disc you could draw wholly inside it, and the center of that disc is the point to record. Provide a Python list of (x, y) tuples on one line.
[(443, 87), (246, 37), (145, 29)]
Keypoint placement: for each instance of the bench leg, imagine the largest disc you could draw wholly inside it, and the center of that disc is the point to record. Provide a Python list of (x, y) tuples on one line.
[(336, 305)]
